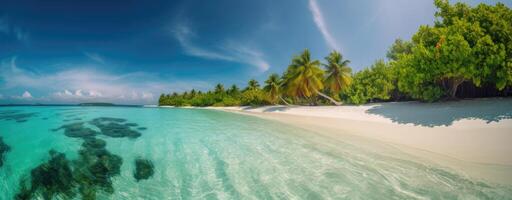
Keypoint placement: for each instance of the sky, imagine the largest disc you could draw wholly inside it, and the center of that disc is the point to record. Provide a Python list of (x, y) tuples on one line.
[(129, 51)]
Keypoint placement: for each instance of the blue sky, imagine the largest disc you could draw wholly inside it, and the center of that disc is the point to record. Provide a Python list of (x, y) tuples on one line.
[(128, 51)]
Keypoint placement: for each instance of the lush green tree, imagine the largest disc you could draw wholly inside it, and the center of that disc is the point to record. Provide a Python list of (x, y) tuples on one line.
[(162, 99), (254, 97), (465, 45), (399, 47), (253, 85), (272, 87), (193, 93), (304, 78), (219, 89), (338, 73), (233, 90), (375, 83)]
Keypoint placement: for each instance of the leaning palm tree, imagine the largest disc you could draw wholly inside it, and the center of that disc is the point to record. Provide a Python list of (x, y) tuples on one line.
[(338, 75), (304, 78), (252, 85), (272, 87)]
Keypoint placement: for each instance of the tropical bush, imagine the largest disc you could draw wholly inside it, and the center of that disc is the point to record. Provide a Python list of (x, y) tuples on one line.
[(375, 83)]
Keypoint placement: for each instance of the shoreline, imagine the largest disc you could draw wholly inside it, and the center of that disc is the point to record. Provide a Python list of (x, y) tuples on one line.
[(478, 145)]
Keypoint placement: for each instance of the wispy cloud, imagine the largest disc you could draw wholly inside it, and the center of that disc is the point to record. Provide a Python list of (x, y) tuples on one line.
[(183, 34), (95, 57), (228, 51), (322, 26), (77, 84), (9, 29)]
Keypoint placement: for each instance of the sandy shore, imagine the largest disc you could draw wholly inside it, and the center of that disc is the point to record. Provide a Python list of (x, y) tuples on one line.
[(472, 131)]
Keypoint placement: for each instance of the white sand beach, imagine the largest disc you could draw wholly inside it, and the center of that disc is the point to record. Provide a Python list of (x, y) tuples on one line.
[(472, 131)]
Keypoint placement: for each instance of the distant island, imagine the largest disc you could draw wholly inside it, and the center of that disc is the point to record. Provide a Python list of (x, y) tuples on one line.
[(97, 104)]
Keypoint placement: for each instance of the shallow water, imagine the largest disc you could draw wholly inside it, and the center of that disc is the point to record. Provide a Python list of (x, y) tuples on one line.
[(205, 154)]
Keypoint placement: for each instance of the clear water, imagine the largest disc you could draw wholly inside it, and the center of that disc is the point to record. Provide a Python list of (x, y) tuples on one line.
[(204, 154)]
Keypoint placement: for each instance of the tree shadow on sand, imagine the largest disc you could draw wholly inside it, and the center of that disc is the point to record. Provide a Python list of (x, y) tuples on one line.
[(445, 113)]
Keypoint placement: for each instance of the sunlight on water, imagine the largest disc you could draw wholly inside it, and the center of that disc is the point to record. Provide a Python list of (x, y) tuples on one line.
[(203, 154)]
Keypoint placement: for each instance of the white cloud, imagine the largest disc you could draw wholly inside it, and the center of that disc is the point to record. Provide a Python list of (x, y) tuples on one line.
[(77, 84), (93, 93), (78, 93), (234, 52), (95, 57), (322, 26), (183, 35), (26, 95)]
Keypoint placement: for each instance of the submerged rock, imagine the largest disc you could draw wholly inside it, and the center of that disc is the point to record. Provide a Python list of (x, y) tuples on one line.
[(15, 115), (113, 127), (101, 120), (142, 128), (118, 130), (63, 179), (95, 168), (77, 130), (94, 143), (91, 172), (131, 124), (48, 180), (144, 169), (4, 148)]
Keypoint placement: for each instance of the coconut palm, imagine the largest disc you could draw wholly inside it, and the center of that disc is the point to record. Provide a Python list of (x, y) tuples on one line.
[(304, 78), (338, 75), (272, 87), (234, 90), (253, 85), (219, 89), (193, 93)]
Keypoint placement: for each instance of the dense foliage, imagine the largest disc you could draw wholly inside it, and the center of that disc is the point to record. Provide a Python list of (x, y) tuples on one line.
[(466, 53), (466, 44), (374, 83), (252, 95)]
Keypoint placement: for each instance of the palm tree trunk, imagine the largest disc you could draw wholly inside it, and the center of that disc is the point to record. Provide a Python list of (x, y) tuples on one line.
[(285, 102), (329, 98)]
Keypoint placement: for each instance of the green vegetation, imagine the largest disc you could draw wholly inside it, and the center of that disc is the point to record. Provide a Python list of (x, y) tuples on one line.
[(466, 53), (375, 83)]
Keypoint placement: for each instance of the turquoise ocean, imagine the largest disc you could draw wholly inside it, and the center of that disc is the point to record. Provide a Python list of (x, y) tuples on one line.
[(206, 154)]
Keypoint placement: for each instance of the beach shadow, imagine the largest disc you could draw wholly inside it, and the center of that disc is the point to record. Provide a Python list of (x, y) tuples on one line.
[(445, 113), (278, 108)]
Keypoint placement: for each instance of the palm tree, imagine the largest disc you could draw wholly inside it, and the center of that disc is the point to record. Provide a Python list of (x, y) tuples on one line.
[(219, 89), (304, 78), (252, 85), (272, 85), (234, 90), (338, 75)]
